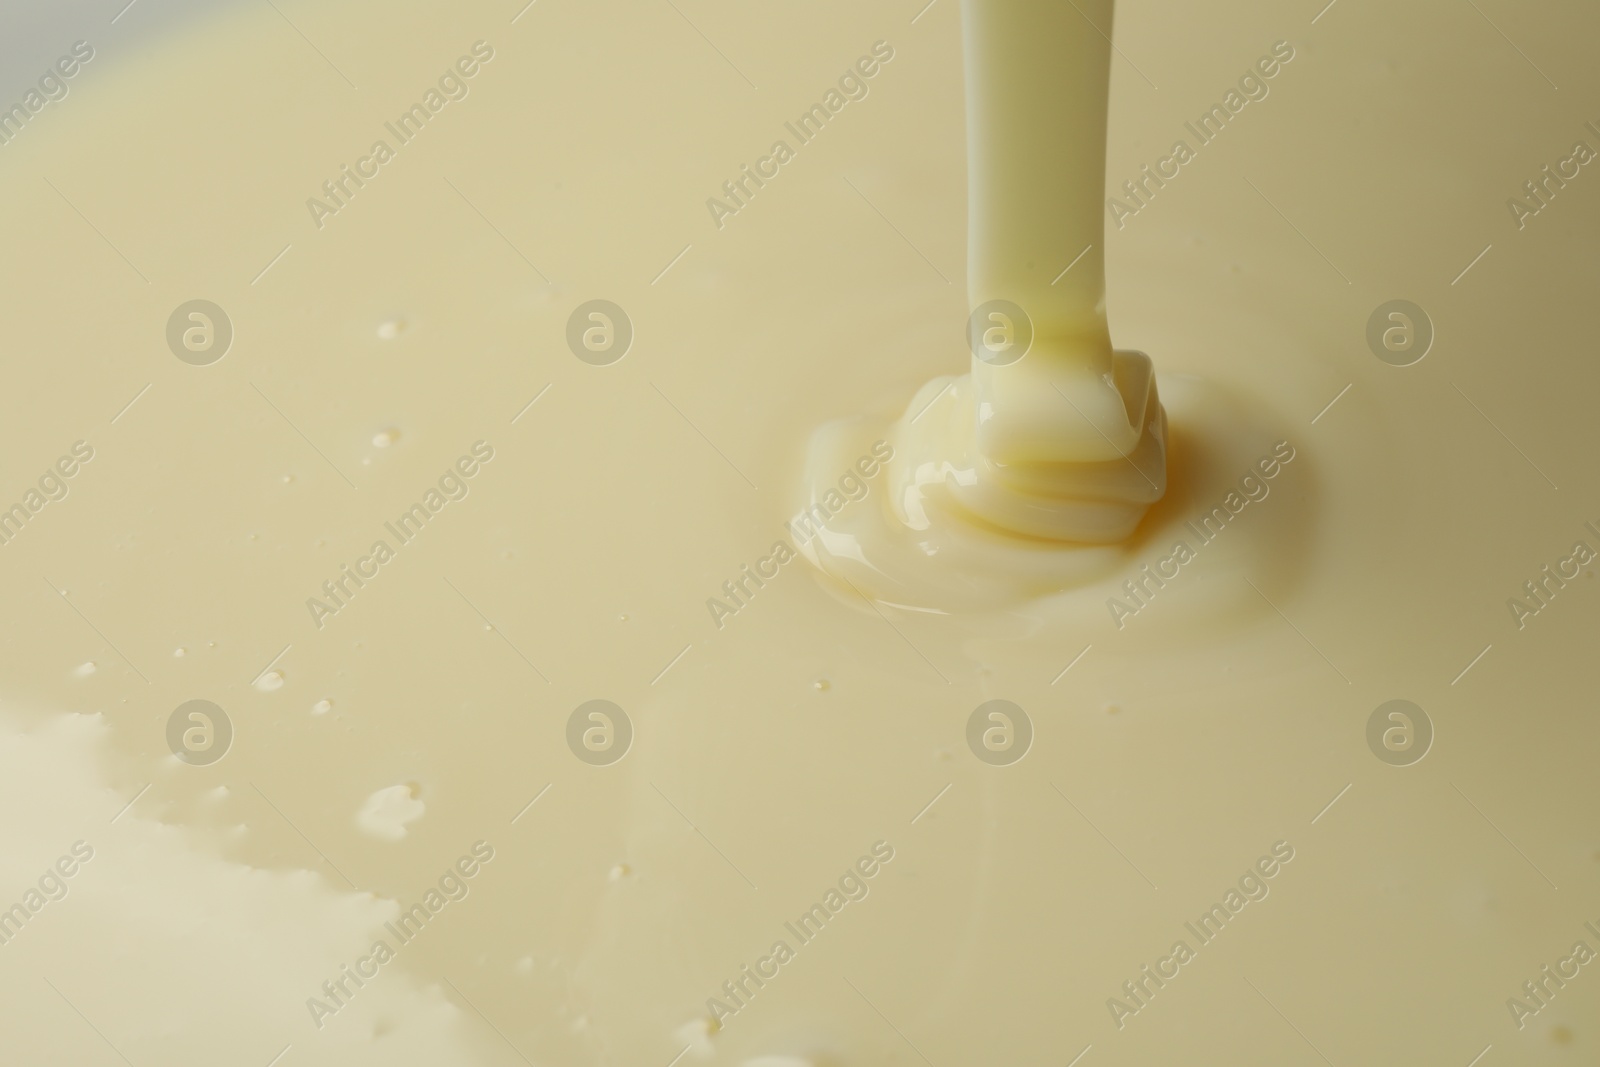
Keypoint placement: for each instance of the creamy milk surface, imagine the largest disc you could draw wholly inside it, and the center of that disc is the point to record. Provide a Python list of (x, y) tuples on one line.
[(411, 661)]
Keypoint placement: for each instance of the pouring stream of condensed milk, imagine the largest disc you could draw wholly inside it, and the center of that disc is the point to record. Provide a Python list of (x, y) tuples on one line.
[(1053, 436)]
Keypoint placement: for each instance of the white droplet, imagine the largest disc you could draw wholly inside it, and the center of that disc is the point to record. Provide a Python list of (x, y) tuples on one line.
[(389, 329), (385, 438), (179, 653), (322, 707), (286, 478), (387, 812), (270, 681), (83, 670), (620, 871)]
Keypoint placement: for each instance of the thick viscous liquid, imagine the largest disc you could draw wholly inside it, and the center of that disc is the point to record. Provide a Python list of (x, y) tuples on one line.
[(1182, 744), (997, 480)]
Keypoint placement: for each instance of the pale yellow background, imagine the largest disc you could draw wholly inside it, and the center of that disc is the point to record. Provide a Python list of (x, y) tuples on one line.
[(1209, 728)]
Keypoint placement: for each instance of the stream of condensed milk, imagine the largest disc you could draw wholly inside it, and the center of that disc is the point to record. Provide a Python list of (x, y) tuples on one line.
[(408, 659), (1054, 440), (1037, 84)]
